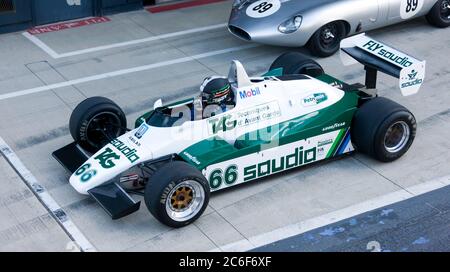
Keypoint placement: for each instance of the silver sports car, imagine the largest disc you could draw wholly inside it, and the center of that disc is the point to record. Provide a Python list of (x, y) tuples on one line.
[(322, 24)]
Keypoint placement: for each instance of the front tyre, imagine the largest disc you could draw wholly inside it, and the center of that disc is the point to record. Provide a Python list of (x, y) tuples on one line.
[(439, 15), (326, 41), (95, 122), (383, 129), (177, 194)]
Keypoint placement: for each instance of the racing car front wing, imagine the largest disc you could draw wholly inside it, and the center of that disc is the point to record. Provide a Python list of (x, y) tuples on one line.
[(71, 157), (114, 200), (111, 196)]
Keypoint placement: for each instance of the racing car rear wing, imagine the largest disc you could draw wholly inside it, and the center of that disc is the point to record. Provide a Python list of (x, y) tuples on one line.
[(376, 56)]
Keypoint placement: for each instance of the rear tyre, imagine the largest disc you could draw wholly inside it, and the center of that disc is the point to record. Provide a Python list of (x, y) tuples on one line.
[(177, 194), (326, 41), (383, 129), (439, 15), (294, 63), (96, 121)]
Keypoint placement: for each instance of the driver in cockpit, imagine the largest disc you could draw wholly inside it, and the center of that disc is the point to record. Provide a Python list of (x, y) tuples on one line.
[(216, 96)]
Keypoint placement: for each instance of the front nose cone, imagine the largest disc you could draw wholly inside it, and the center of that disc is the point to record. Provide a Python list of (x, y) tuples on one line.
[(79, 185)]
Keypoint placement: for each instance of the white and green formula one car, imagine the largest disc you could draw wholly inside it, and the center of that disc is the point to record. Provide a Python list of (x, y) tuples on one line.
[(292, 116)]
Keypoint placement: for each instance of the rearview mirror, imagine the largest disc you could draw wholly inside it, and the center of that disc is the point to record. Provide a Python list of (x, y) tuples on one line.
[(158, 104)]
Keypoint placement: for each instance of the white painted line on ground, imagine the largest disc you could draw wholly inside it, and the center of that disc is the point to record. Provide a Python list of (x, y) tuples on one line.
[(335, 216), (133, 42), (55, 55), (44, 197), (41, 45), (123, 72)]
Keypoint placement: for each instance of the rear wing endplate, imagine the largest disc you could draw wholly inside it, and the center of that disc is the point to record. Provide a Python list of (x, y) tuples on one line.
[(376, 56)]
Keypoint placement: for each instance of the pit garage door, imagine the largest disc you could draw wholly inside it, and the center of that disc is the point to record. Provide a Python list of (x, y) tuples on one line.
[(49, 11)]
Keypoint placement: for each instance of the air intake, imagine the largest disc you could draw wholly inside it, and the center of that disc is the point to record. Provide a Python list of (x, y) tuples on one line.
[(239, 33)]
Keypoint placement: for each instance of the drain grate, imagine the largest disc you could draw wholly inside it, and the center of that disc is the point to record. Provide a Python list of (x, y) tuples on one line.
[(6, 5)]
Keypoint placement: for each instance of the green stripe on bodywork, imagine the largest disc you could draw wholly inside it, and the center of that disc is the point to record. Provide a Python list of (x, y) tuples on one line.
[(329, 79), (300, 128), (332, 80), (274, 72), (142, 119), (336, 143), (206, 151)]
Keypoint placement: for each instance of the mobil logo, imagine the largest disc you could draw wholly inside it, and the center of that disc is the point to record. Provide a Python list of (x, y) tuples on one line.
[(250, 93)]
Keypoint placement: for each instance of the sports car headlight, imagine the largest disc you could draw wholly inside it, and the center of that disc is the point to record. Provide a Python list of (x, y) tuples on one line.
[(290, 25)]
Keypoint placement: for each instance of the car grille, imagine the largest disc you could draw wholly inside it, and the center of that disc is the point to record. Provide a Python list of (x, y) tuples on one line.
[(239, 32)]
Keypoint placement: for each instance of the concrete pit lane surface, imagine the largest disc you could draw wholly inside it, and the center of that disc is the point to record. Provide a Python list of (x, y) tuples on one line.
[(139, 57)]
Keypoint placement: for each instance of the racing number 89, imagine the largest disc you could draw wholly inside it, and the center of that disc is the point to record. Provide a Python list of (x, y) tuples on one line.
[(217, 177), (264, 6), (411, 5)]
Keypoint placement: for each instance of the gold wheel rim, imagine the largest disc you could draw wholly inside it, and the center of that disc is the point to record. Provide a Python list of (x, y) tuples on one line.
[(185, 200), (181, 198)]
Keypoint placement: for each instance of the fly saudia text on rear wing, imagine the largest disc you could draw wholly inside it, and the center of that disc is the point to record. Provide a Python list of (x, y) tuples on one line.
[(376, 55)]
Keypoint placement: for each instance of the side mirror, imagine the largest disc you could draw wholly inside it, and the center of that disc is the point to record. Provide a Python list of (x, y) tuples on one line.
[(158, 104), (198, 108)]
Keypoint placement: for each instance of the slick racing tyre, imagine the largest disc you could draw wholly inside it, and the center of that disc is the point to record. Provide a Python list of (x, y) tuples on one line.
[(383, 129), (177, 194), (95, 122), (326, 41), (294, 63), (439, 15)]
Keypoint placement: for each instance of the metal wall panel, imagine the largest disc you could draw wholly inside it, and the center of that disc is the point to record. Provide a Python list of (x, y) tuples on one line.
[(117, 3), (49, 11), (27, 13)]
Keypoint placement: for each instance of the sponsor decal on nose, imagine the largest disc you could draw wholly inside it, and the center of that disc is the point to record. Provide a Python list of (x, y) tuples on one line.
[(141, 131)]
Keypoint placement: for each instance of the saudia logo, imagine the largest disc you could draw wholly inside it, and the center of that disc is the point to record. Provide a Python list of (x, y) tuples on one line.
[(314, 99), (125, 150), (297, 158), (253, 92), (412, 75), (413, 80), (378, 48)]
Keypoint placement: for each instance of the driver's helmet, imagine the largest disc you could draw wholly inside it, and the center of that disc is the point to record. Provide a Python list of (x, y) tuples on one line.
[(215, 90)]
